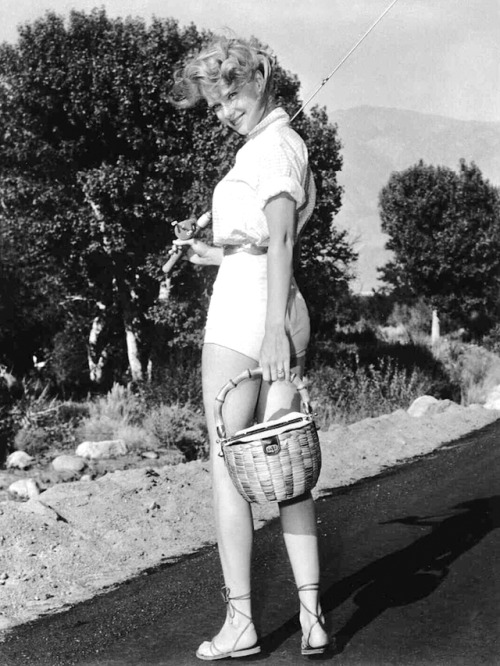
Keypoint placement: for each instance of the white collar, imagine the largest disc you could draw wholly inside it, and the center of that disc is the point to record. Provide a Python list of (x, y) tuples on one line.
[(277, 114)]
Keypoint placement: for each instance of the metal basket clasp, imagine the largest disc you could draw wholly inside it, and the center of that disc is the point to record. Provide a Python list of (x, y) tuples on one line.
[(271, 446)]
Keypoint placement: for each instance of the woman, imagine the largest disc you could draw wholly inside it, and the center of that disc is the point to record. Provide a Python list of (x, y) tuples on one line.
[(256, 317)]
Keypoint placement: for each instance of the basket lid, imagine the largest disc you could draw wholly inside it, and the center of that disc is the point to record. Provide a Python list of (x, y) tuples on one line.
[(290, 421)]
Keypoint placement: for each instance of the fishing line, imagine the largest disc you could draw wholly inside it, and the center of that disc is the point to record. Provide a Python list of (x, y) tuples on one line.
[(349, 53)]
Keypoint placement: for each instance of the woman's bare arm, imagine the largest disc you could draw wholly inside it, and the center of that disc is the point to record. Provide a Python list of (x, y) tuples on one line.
[(275, 351)]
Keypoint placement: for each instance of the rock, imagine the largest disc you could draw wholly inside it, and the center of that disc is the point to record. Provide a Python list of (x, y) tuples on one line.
[(47, 477), (35, 507), (109, 448), (24, 489), (421, 405), (65, 477), (20, 460), (152, 455), (428, 405), (66, 463), (493, 398)]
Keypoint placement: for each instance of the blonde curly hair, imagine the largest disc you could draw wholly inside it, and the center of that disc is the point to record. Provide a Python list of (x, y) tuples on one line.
[(225, 62)]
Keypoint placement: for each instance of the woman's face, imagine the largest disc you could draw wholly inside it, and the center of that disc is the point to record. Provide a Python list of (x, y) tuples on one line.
[(242, 109)]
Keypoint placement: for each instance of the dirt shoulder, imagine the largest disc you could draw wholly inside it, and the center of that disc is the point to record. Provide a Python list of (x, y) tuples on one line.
[(78, 539)]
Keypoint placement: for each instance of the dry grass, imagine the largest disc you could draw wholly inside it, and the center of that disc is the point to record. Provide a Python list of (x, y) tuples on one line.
[(349, 391)]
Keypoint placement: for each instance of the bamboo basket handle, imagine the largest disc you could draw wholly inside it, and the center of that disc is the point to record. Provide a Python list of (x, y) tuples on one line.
[(250, 374)]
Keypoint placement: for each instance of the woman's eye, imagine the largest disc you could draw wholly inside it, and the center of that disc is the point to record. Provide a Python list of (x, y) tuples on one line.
[(232, 95)]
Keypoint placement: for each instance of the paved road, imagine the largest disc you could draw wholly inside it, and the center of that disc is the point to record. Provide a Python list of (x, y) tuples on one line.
[(411, 577)]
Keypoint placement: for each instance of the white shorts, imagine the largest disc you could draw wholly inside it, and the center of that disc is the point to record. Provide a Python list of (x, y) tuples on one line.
[(237, 312)]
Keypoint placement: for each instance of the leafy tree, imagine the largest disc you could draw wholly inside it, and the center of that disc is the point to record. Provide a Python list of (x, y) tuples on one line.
[(95, 164), (28, 295), (444, 230), (326, 256)]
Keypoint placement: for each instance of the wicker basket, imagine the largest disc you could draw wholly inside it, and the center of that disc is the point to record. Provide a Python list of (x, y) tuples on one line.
[(273, 461)]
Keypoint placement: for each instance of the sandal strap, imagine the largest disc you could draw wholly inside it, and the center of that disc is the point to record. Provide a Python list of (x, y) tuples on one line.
[(310, 587), (226, 592)]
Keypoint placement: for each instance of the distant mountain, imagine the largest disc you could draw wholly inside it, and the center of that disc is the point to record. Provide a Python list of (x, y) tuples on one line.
[(377, 141)]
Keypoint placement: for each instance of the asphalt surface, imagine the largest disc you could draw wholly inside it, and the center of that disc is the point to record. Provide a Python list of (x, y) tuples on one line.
[(410, 577)]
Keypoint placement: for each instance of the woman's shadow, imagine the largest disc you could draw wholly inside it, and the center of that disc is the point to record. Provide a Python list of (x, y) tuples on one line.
[(406, 575)]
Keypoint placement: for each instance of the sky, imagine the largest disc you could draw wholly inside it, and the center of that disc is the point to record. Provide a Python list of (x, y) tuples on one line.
[(432, 56)]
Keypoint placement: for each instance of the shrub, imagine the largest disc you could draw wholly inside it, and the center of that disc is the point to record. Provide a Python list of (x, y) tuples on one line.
[(72, 412), (491, 342), (142, 422), (7, 432), (474, 369), (346, 352), (135, 437), (416, 317), (121, 405), (99, 427), (178, 381), (117, 415), (40, 422), (103, 426), (32, 440), (180, 426), (349, 391)]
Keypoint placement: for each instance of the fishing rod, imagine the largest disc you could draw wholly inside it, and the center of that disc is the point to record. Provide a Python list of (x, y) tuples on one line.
[(191, 228), (342, 61)]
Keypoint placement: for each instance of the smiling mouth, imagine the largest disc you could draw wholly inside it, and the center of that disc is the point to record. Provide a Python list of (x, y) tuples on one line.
[(237, 121)]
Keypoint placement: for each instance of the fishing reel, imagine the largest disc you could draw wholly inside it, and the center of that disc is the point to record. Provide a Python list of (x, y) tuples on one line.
[(185, 230)]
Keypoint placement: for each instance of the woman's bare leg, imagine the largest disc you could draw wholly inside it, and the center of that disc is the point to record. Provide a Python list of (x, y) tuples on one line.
[(233, 516), (298, 518)]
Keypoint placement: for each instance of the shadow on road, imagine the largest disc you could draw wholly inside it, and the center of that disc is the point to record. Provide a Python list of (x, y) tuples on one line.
[(407, 575)]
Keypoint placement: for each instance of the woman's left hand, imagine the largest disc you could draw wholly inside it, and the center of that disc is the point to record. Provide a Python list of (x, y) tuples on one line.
[(275, 355), (199, 252)]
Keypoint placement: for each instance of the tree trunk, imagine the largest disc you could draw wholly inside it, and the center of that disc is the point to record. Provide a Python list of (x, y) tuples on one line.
[(435, 333), (97, 355), (133, 320), (135, 333), (134, 357)]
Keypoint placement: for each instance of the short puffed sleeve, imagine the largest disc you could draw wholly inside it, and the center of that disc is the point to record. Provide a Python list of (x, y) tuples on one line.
[(282, 169)]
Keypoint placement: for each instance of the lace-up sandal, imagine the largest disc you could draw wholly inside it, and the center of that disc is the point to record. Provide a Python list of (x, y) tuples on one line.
[(208, 651), (306, 648)]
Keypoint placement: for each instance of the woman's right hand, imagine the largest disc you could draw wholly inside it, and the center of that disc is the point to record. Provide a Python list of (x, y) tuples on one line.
[(200, 253)]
